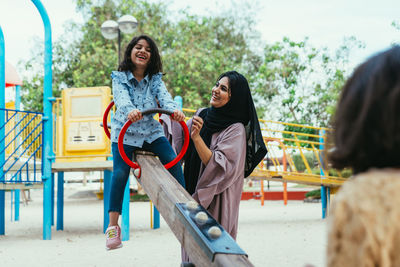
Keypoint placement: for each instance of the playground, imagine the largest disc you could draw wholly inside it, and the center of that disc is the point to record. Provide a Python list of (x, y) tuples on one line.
[(40, 150), (272, 235), (56, 167)]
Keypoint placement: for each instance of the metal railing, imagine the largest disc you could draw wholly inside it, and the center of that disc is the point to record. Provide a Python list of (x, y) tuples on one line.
[(23, 147), (301, 147), (295, 153)]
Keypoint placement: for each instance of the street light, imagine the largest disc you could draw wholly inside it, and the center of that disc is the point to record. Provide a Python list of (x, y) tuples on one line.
[(111, 29)]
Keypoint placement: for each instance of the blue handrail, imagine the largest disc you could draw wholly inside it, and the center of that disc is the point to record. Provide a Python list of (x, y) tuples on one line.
[(2, 126), (23, 152), (29, 147), (2, 105), (9, 132), (26, 166)]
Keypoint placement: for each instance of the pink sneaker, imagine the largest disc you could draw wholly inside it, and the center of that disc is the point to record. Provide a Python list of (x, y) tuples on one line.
[(113, 235)]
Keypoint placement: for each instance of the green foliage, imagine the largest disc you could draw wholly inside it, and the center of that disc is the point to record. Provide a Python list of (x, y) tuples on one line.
[(195, 49), (200, 49), (345, 173), (139, 198), (32, 96), (314, 165), (299, 137), (299, 162), (301, 81), (291, 81), (314, 194)]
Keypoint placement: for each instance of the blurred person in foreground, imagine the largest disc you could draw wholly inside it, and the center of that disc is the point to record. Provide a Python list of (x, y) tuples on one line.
[(363, 227)]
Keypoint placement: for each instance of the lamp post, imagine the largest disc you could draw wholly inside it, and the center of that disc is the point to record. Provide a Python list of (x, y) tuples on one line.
[(111, 29)]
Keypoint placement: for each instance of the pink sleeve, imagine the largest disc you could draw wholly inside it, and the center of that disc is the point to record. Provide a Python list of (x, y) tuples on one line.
[(173, 132), (225, 166)]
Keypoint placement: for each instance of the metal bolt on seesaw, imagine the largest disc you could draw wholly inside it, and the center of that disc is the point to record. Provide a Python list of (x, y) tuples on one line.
[(135, 165)]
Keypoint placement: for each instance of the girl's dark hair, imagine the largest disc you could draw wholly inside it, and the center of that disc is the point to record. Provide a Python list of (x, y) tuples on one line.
[(155, 64), (367, 121)]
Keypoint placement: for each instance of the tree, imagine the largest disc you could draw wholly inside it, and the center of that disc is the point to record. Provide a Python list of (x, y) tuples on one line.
[(302, 82), (195, 49), (335, 71), (200, 49), (291, 81)]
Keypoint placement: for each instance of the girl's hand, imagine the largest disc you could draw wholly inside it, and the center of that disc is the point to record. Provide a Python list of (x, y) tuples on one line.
[(135, 115), (197, 124), (178, 115)]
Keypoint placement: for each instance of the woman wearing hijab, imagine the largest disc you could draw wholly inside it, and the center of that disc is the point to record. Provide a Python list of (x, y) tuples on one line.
[(225, 146)]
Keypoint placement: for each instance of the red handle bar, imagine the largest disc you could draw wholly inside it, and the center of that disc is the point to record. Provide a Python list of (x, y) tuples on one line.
[(132, 164)]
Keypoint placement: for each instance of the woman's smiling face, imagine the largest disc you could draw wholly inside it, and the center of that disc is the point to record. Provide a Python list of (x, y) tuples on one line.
[(221, 93)]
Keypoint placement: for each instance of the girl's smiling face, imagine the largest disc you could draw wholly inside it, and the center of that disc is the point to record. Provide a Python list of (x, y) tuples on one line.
[(141, 54)]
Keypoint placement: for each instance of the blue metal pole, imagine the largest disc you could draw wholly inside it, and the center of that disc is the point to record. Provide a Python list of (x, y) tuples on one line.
[(323, 188), (60, 201), (106, 198), (125, 213), (2, 130), (178, 99), (47, 121), (11, 202), (18, 97), (17, 191), (52, 198), (16, 204), (156, 218)]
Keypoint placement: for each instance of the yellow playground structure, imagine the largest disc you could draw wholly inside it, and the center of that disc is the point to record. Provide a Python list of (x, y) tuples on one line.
[(79, 136), (295, 152)]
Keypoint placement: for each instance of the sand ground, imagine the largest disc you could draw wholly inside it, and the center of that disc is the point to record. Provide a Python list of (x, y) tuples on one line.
[(272, 235)]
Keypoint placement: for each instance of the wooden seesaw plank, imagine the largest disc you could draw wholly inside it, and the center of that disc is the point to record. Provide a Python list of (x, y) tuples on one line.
[(166, 192)]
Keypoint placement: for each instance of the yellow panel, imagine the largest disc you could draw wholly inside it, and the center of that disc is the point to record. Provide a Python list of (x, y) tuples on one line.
[(86, 106), (83, 139), (10, 105), (10, 125)]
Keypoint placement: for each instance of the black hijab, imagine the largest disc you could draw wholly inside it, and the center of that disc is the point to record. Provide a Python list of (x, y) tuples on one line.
[(240, 108)]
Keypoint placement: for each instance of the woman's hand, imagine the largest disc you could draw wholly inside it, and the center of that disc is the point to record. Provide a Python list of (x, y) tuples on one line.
[(201, 148), (135, 115), (178, 115), (197, 124)]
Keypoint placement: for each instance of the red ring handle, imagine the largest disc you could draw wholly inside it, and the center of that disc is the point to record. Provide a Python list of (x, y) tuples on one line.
[(105, 116), (168, 165)]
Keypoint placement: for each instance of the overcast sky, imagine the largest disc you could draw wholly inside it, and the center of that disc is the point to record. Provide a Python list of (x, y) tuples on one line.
[(326, 23)]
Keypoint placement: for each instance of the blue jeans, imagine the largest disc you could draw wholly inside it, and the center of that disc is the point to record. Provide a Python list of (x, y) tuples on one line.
[(161, 147)]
